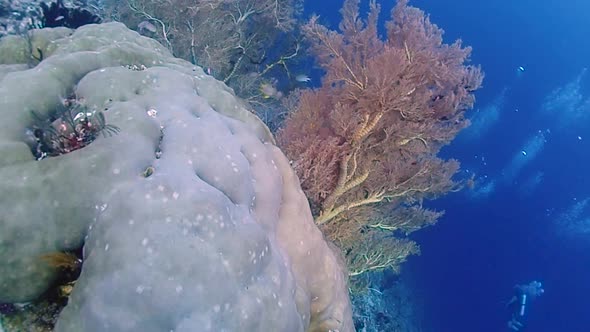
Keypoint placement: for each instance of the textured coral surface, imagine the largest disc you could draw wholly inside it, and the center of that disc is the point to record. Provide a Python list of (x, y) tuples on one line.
[(190, 218)]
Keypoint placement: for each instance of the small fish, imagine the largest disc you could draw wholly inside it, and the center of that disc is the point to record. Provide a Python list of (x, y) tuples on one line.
[(269, 91), (520, 71), (302, 78), (146, 25)]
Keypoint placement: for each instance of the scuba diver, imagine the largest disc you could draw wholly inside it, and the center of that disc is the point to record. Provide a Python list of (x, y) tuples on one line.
[(518, 303)]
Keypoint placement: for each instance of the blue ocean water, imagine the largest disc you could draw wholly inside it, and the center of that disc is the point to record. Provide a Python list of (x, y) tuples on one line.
[(528, 216)]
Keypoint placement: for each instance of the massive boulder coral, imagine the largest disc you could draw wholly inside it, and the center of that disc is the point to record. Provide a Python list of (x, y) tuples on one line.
[(190, 218)]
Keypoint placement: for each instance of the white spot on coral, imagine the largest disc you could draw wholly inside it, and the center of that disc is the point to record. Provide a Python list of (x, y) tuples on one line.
[(178, 289), (152, 113), (161, 188), (216, 308), (175, 195), (106, 247), (145, 241), (116, 171), (190, 162), (131, 221), (236, 169), (199, 217), (139, 289), (228, 157), (148, 196), (168, 220)]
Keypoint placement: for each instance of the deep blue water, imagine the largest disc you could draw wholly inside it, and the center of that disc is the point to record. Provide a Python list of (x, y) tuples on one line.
[(488, 242)]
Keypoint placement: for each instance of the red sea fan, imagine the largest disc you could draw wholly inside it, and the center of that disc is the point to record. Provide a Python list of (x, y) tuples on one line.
[(365, 143)]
